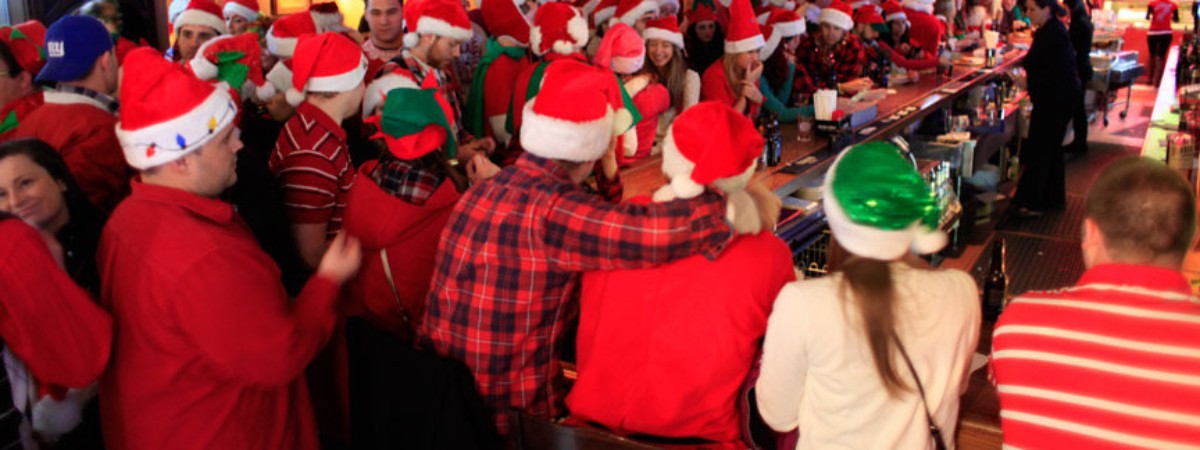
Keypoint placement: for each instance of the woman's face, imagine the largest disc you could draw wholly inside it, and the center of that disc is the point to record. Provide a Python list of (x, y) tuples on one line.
[(236, 24), (790, 44), (1037, 16), (28, 191), (745, 61), (705, 31), (898, 27), (660, 52), (831, 34)]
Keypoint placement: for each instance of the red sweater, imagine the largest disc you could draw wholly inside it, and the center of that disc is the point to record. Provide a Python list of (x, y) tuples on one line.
[(210, 352), (651, 100), (85, 135), (410, 233), (714, 86), (665, 351), (925, 30), (13, 113)]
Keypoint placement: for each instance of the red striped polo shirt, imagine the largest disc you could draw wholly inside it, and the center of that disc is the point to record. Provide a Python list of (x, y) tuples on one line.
[(1113, 362), (312, 165)]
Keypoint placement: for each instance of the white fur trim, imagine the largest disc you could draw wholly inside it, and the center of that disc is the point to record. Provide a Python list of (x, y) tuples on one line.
[(785, 4), (439, 27), (53, 418), (751, 43), (898, 15), (554, 138), (280, 76), (246, 13), (328, 21), (645, 7), (71, 98), (294, 97), (603, 14), (497, 123), (918, 5), (737, 182), (664, 35), (627, 64), (836, 18), (342, 82), (577, 28), (779, 32), (192, 126), (411, 40), (377, 91), (762, 18), (725, 3), (265, 92), (281, 46), (678, 169), (197, 17), (202, 67)]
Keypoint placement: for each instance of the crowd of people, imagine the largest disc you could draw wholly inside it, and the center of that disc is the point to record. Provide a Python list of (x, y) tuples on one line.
[(195, 240)]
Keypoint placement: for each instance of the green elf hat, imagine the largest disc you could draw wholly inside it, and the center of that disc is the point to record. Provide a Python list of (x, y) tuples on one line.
[(878, 206), (236, 60), (414, 122)]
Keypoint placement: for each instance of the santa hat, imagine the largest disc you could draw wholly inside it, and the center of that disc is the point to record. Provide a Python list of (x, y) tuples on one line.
[(925, 6), (204, 13), (893, 11), (629, 11), (621, 50), (166, 112), (393, 77), (761, 13), (236, 60), (743, 35), (503, 18), (575, 114), (867, 16), (604, 11), (326, 62), (26, 41), (838, 14), (124, 46), (673, 4), (664, 28), (415, 122), (878, 206), (285, 32), (445, 18), (246, 9), (782, 24), (785, 4), (701, 13), (558, 27), (709, 143), (327, 17)]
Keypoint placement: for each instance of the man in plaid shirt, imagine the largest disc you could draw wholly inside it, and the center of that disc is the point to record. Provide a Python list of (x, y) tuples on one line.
[(833, 54), (511, 255)]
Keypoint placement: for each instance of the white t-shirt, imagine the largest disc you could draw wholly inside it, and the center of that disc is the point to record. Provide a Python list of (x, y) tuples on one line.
[(817, 372)]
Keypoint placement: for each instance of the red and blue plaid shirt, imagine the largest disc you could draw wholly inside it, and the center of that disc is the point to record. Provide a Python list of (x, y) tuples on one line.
[(510, 259), (812, 73)]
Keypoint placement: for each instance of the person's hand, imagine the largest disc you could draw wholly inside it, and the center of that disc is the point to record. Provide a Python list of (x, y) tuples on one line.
[(856, 85), (480, 168), (766, 201), (754, 73), (279, 108), (467, 151), (608, 162), (342, 258), (751, 92), (904, 49)]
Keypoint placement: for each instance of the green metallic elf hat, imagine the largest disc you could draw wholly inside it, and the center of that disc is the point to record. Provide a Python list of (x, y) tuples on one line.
[(414, 122), (878, 206)]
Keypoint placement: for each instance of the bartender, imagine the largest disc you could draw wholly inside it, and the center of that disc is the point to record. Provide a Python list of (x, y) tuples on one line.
[(1055, 91), (833, 57)]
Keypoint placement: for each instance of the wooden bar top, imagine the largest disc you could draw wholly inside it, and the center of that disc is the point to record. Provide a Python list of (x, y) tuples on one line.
[(930, 93)]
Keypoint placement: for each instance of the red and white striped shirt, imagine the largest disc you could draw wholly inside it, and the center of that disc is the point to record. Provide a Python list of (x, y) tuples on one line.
[(1113, 362), (312, 165)]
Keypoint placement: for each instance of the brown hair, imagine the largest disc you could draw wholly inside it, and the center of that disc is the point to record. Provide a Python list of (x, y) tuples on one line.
[(729, 62), (867, 285), (1144, 210), (776, 67), (673, 76)]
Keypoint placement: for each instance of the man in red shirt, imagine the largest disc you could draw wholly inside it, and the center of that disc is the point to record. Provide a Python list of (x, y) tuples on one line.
[(210, 352), (924, 30), (511, 254), (79, 115), (311, 160), (1160, 13), (1111, 362), (658, 320)]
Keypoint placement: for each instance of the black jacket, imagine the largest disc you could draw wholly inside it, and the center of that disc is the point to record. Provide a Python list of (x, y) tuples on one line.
[(1081, 32), (1050, 69)]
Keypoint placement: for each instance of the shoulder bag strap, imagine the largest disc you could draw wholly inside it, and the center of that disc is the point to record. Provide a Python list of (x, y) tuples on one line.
[(387, 271), (934, 431)]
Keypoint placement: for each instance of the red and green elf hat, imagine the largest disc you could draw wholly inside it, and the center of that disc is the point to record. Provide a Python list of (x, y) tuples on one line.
[(236, 60), (27, 42), (414, 122)]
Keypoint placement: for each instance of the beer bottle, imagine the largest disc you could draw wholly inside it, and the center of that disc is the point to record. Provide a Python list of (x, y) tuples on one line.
[(995, 285)]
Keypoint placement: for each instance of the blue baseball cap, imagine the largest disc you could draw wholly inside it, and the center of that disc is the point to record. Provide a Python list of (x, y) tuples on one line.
[(72, 45)]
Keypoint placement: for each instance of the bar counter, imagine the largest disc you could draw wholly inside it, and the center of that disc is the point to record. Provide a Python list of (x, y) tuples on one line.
[(927, 95)]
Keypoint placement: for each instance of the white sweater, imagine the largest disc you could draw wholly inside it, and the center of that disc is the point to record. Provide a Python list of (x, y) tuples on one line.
[(817, 371)]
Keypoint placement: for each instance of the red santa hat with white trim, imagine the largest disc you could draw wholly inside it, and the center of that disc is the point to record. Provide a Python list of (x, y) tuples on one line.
[(575, 114), (558, 27), (167, 112), (445, 18), (709, 143), (327, 17), (326, 62), (893, 11), (246, 9), (781, 24), (743, 35), (204, 13), (838, 14), (391, 76), (665, 29), (629, 11), (621, 50), (504, 18), (286, 32), (604, 11), (925, 6), (236, 60)]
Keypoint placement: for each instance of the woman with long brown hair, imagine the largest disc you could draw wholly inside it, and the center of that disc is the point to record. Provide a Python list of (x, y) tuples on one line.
[(875, 355), (664, 52)]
